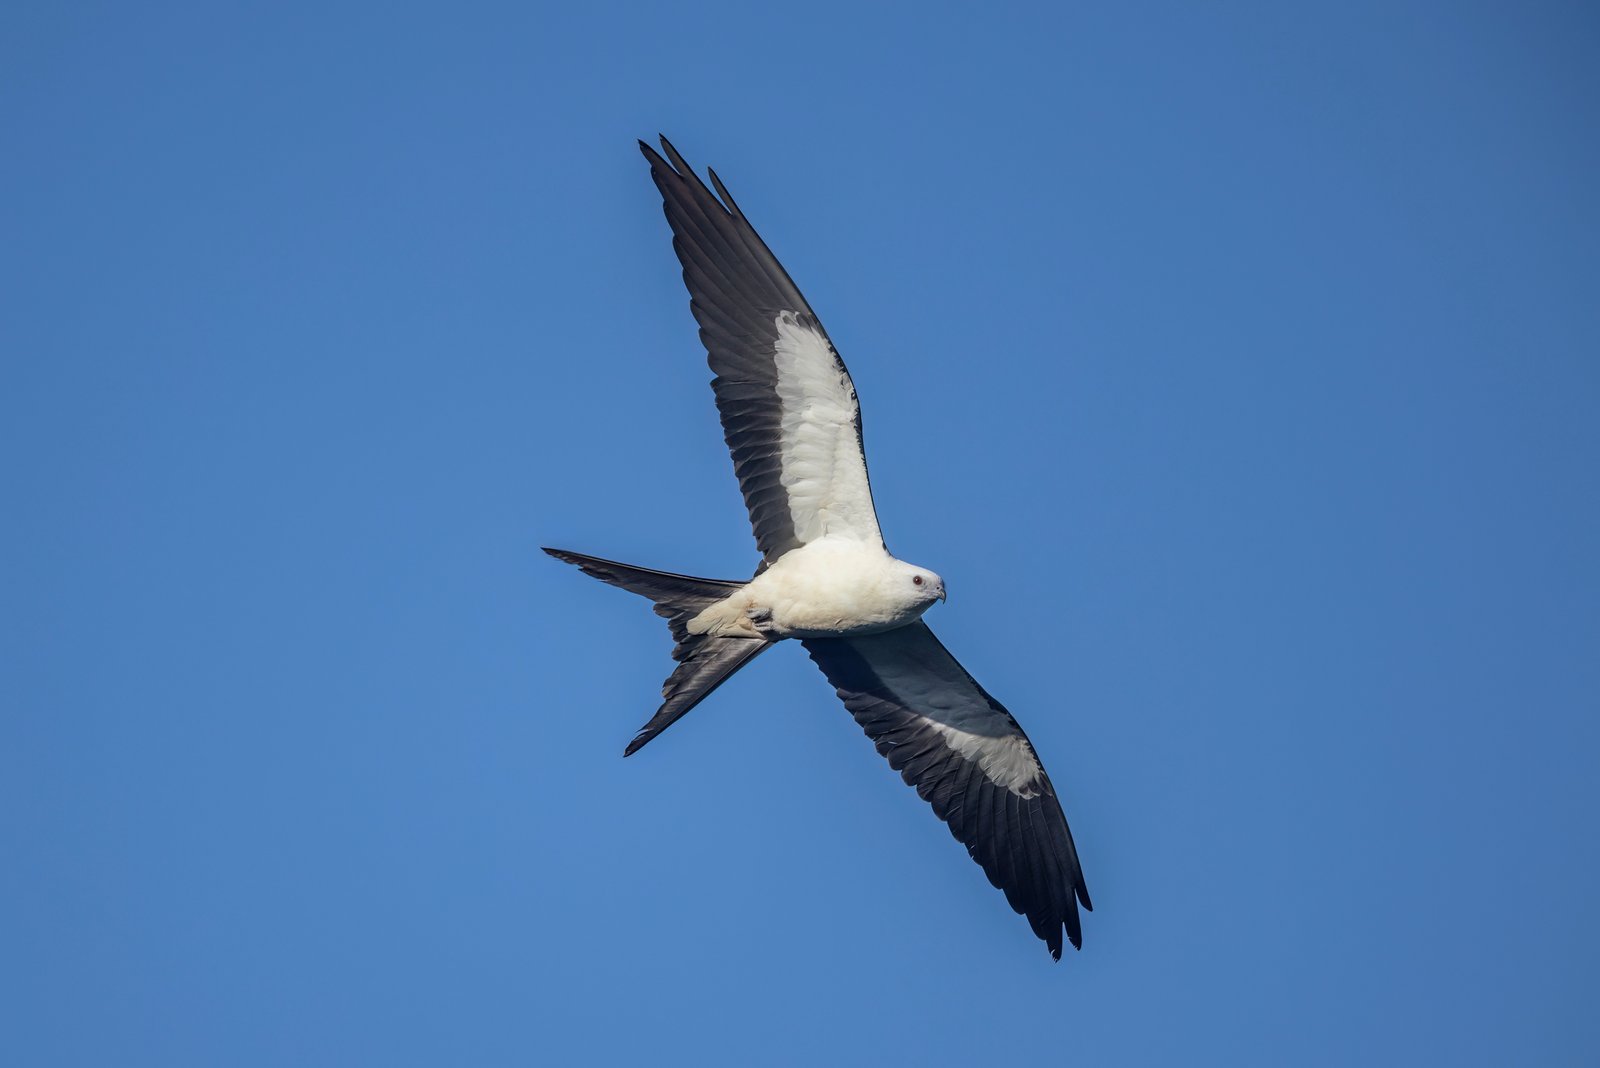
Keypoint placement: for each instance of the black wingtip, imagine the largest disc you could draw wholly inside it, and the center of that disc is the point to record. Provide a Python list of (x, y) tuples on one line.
[(652, 157), (722, 191), (562, 554)]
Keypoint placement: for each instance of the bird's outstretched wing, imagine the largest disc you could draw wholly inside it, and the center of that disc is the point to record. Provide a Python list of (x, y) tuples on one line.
[(967, 757), (788, 407)]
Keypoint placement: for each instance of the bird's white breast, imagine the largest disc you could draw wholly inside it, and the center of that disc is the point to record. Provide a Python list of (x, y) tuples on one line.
[(829, 588)]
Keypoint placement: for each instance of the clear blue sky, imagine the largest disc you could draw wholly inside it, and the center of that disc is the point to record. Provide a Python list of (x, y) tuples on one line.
[(1239, 369)]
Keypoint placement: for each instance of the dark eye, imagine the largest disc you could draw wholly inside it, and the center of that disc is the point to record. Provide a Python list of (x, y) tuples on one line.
[(917, 579)]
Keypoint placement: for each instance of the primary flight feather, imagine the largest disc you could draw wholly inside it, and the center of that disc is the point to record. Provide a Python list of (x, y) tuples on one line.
[(792, 422)]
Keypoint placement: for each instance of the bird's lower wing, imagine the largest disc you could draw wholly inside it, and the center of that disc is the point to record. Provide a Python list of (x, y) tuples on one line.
[(967, 758)]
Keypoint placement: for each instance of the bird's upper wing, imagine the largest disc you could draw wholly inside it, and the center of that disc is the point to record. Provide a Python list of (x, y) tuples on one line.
[(968, 758), (788, 407)]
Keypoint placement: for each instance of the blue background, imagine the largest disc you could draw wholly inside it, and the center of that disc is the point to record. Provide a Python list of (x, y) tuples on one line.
[(1238, 369)]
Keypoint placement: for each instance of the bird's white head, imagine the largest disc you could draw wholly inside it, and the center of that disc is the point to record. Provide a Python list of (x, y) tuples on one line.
[(916, 587)]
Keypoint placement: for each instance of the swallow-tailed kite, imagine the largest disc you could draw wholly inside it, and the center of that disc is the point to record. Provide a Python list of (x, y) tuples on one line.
[(790, 417)]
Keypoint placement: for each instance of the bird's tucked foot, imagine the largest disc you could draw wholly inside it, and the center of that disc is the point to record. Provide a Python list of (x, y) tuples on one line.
[(760, 618)]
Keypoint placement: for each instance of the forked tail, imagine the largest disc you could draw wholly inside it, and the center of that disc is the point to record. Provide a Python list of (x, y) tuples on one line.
[(704, 663)]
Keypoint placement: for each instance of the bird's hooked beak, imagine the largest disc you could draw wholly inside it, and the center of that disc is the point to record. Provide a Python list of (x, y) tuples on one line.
[(941, 591)]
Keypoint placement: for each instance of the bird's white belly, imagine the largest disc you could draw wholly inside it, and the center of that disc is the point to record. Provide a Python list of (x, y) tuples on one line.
[(827, 589)]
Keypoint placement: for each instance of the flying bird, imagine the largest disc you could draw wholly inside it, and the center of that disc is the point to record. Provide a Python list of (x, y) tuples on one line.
[(826, 578)]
